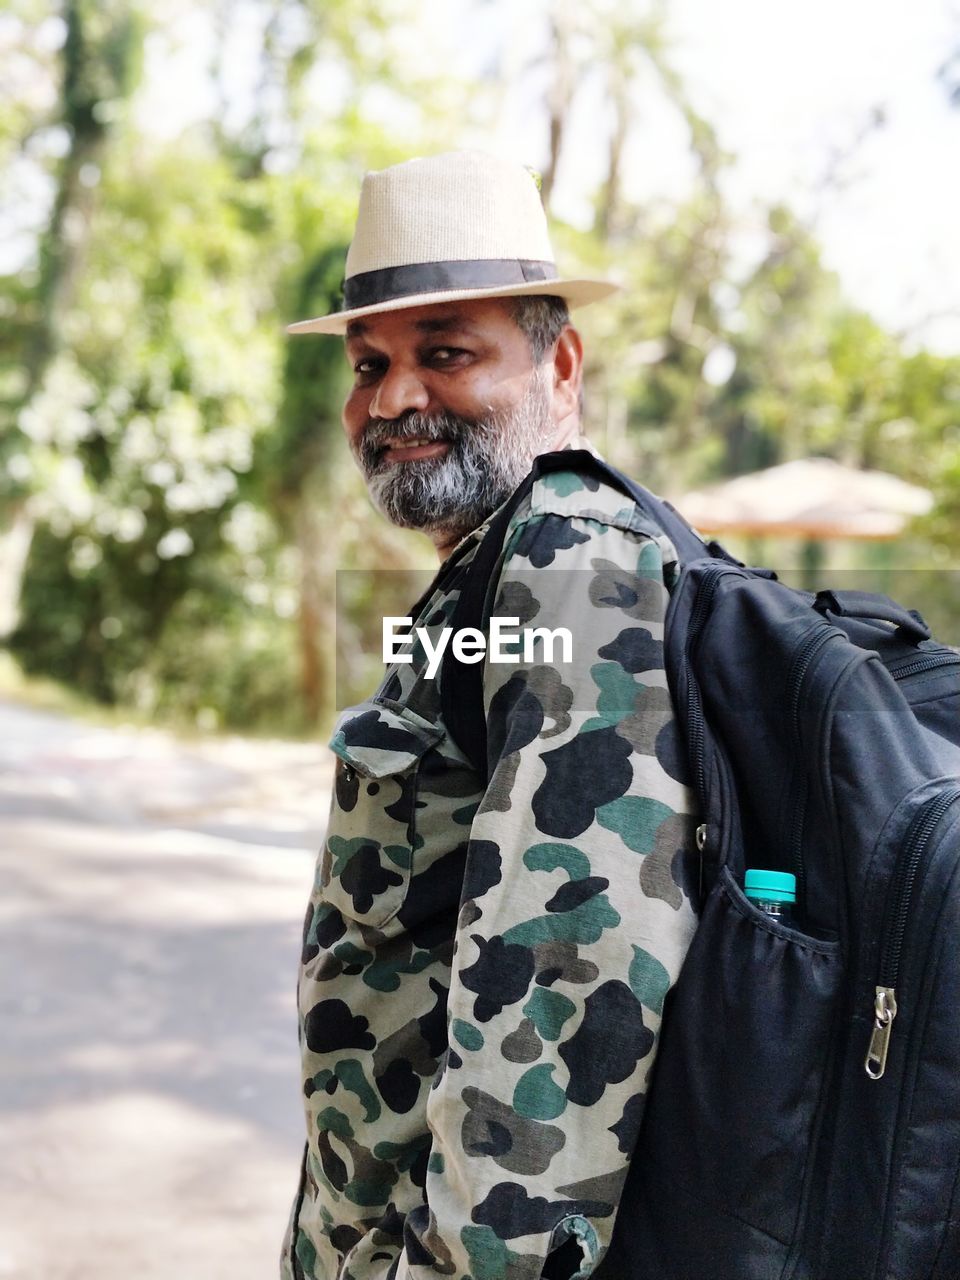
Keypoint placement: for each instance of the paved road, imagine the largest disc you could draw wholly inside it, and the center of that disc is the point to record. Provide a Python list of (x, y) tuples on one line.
[(152, 894)]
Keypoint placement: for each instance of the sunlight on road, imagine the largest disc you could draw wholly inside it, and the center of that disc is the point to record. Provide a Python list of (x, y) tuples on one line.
[(136, 1184), (154, 894)]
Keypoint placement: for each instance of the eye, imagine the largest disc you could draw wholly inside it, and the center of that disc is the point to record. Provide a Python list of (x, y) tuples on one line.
[(367, 368), (446, 355)]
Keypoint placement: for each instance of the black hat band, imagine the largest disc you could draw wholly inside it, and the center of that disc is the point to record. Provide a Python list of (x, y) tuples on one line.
[(368, 288)]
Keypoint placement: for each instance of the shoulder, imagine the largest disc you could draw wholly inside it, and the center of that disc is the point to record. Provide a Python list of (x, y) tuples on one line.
[(577, 507)]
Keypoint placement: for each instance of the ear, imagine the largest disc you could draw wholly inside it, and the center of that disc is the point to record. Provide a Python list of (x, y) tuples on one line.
[(567, 373)]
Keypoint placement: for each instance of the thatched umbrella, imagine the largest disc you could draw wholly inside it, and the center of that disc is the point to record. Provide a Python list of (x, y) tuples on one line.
[(812, 498)]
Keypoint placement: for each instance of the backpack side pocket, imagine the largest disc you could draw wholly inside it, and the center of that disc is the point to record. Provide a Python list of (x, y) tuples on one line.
[(720, 1174)]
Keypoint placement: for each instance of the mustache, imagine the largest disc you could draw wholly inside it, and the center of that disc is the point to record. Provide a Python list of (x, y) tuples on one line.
[(412, 425)]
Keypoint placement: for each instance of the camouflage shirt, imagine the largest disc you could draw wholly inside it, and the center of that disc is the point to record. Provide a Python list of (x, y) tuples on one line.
[(484, 970)]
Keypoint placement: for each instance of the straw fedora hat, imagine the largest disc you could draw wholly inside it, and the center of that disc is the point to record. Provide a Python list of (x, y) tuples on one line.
[(446, 228)]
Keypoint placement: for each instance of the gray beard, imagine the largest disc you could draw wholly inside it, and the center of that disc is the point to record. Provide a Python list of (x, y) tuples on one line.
[(486, 460)]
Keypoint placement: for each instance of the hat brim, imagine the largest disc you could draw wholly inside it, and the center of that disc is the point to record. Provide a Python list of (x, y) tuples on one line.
[(576, 292)]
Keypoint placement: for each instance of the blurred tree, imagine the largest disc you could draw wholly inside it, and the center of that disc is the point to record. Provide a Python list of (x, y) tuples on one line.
[(173, 461), (100, 60), (143, 430), (101, 63), (647, 396), (185, 459), (948, 74), (299, 462), (564, 24), (779, 350)]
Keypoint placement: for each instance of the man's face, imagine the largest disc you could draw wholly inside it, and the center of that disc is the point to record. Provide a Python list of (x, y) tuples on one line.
[(447, 412)]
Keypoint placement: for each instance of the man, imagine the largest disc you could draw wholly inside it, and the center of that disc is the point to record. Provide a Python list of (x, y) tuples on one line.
[(485, 964)]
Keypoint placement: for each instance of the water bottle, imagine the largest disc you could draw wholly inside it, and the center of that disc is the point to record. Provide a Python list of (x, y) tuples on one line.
[(774, 892)]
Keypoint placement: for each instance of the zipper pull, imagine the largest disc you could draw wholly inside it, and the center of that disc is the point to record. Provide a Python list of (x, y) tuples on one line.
[(701, 846), (885, 1010)]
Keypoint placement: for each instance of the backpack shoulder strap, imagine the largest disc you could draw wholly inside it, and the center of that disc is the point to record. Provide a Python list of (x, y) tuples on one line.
[(688, 543), (461, 684)]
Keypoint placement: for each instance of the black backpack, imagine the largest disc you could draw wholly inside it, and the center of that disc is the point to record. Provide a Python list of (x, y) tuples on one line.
[(803, 1119)]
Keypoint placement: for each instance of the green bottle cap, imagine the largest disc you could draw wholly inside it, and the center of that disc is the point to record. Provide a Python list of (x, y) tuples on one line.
[(774, 886)]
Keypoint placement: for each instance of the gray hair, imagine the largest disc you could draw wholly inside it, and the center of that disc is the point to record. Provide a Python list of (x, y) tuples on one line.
[(541, 319)]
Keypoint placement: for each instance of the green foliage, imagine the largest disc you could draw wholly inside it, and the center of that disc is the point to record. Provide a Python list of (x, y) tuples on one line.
[(306, 437), (203, 637), (182, 459), (142, 436), (102, 60)]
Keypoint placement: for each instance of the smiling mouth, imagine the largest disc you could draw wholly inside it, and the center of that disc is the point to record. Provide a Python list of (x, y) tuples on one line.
[(394, 450)]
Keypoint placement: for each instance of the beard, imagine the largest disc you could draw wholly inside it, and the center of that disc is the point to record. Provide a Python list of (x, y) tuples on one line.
[(486, 459)]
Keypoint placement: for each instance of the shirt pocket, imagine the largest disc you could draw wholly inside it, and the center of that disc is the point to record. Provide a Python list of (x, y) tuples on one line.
[(368, 854)]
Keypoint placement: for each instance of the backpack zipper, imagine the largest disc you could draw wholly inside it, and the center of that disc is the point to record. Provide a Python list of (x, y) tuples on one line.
[(695, 716), (798, 673), (927, 663), (908, 869), (708, 587)]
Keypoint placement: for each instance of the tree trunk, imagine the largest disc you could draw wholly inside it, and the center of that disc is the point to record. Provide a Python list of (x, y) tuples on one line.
[(14, 549), (610, 200), (98, 57), (560, 94), (316, 543)]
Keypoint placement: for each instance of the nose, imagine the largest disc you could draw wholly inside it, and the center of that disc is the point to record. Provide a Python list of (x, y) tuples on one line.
[(399, 391)]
